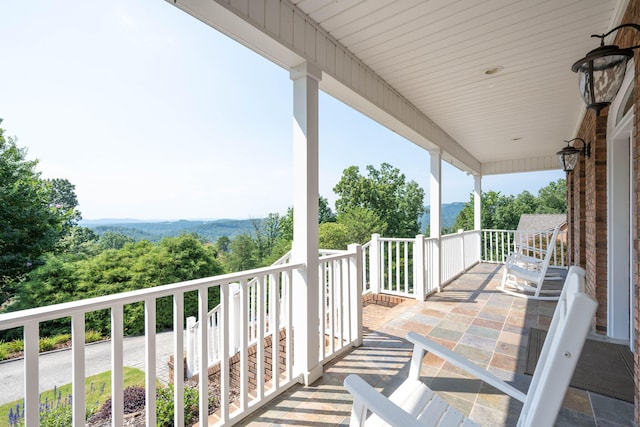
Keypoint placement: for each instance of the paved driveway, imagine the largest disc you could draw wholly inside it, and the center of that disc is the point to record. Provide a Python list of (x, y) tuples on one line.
[(55, 367)]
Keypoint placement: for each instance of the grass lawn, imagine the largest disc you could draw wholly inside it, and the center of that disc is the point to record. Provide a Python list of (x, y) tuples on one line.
[(98, 389)]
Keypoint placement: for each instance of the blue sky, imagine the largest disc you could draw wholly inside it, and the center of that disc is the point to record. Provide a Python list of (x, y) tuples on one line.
[(153, 115)]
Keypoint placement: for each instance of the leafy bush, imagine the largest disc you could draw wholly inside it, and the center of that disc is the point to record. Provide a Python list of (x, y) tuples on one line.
[(92, 336), (134, 401), (47, 343), (15, 346), (164, 406)]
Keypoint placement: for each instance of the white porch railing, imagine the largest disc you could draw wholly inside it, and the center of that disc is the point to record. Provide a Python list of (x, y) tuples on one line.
[(497, 244), (460, 251), (409, 267), (252, 303), (253, 288), (271, 283)]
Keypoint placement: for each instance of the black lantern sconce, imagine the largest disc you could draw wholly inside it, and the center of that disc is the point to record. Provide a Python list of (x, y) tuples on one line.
[(602, 71), (569, 155)]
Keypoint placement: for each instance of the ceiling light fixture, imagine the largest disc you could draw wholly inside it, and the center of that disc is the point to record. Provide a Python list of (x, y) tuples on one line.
[(569, 155), (602, 70), (493, 70)]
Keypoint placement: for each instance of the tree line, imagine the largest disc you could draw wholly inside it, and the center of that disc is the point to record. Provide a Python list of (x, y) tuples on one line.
[(47, 258)]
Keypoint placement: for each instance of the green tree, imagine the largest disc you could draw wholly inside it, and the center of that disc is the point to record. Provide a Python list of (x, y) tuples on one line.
[(325, 214), (361, 223), (399, 204), (114, 240), (79, 241), (494, 214), (286, 225), (242, 255), (267, 232), (134, 266), (503, 212), (223, 243), (30, 225), (63, 197), (553, 198), (333, 235)]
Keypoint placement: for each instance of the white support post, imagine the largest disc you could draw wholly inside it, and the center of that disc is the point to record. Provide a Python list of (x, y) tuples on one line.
[(374, 264), (477, 211), (234, 318), (477, 202), (117, 366), (78, 369), (191, 347), (305, 222), (150, 362), (436, 214), (31, 374), (463, 259), (355, 282), (178, 360), (420, 281)]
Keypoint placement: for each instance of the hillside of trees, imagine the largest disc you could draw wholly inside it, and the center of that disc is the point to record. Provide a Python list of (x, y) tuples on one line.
[(155, 231), (46, 257)]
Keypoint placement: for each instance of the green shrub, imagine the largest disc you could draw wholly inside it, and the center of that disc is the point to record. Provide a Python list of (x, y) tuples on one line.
[(61, 338), (92, 336), (15, 346), (164, 406), (47, 343)]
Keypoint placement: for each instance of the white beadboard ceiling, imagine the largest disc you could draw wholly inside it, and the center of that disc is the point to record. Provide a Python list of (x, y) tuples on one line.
[(434, 54)]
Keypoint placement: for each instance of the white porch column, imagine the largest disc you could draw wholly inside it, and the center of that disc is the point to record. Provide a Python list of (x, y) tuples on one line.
[(477, 202), (305, 222), (436, 213)]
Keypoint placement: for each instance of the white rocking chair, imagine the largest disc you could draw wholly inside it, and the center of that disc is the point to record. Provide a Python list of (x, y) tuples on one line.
[(524, 276), (414, 404)]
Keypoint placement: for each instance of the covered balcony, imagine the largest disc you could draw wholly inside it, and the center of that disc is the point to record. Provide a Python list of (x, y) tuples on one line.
[(369, 298), (474, 318), (485, 86)]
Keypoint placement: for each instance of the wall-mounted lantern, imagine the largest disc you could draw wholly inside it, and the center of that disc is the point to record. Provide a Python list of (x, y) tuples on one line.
[(602, 71)]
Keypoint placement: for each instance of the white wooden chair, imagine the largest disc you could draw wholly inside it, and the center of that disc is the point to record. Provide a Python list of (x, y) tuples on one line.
[(524, 276), (414, 404)]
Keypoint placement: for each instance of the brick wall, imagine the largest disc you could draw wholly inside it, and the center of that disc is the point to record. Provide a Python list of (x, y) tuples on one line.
[(630, 37), (587, 203), (596, 220)]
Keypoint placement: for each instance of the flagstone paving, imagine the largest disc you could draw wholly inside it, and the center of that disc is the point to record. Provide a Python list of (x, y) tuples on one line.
[(469, 316)]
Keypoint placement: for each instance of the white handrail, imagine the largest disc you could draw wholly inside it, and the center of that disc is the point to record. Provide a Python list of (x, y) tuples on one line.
[(31, 318)]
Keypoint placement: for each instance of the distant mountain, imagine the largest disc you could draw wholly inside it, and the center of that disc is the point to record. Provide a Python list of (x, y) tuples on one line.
[(154, 231), (211, 230), (449, 213)]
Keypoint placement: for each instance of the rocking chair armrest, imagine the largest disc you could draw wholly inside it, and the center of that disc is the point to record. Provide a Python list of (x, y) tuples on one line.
[(366, 397), (463, 363), (528, 259)]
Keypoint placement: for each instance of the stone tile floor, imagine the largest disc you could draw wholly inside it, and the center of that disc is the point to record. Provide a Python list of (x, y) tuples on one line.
[(470, 316)]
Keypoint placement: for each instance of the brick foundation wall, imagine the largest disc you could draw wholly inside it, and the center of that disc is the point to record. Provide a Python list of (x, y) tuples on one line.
[(381, 299), (234, 364)]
